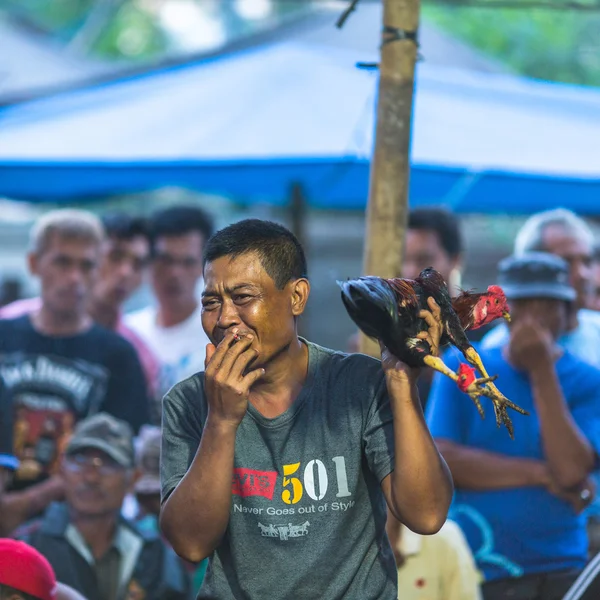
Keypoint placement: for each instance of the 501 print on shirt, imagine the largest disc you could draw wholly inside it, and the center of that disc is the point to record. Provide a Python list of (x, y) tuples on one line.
[(324, 489)]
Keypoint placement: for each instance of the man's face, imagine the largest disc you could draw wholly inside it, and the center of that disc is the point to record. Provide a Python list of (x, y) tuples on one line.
[(578, 253), (67, 269), (423, 249), (176, 268), (95, 484), (122, 269), (546, 313), (240, 293)]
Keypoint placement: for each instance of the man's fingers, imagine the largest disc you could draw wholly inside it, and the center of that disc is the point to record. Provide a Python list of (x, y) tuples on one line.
[(233, 352), (241, 364), (435, 308), (251, 378), (431, 321), (216, 357)]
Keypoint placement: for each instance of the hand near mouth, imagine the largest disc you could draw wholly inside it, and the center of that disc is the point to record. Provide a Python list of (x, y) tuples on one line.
[(227, 379)]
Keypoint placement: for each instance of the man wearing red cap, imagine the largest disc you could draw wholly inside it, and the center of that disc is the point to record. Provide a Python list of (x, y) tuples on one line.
[(25, 573)]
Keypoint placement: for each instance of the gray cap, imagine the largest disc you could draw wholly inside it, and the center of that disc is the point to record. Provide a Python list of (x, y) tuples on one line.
[(106, 433), (148, 461), (535, 275)]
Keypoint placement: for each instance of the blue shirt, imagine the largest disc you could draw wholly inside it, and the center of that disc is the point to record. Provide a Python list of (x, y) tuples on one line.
[(513, 532), (584, 343)]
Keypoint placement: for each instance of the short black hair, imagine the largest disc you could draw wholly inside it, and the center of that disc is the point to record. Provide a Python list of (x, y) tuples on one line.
[(443, 223), (280, 252), (181, 220), (7, 592), (123, 226)]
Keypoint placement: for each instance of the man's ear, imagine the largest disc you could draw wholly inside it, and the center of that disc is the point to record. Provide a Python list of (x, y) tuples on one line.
[(300, 293), (32, 263)]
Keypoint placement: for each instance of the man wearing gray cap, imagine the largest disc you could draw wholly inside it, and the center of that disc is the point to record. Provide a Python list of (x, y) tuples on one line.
[(520, 502), (89, 545)]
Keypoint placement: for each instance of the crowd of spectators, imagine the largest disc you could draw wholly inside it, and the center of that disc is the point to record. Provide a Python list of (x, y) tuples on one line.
[(82, 383)]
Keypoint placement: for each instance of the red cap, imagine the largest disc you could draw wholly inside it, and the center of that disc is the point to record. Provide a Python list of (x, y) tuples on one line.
[(25, 569)]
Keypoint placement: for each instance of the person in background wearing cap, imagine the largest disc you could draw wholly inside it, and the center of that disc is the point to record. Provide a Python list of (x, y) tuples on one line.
[(90, 546), (147, 493), (520, 502)]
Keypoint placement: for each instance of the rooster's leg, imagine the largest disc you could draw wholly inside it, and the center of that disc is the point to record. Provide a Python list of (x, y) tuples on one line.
[(501, 402), (438, 364)]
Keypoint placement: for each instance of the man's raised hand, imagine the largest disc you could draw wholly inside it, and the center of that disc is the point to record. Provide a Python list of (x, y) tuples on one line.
[(227, 379)]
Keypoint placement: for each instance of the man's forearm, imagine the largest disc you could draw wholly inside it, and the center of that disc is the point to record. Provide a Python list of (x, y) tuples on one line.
[(420, 485), (474, 469), (195, 515), (569, 455)]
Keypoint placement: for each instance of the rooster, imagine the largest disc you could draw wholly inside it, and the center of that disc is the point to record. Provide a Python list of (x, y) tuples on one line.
[(388, 310)]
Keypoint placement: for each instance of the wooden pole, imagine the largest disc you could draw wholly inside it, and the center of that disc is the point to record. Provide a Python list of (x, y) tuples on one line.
[(388, 192)]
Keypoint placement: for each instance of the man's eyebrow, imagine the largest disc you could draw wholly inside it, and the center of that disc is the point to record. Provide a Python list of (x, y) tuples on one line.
[(229, 290)]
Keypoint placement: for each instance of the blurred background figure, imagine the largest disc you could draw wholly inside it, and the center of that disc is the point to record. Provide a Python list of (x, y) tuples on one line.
[(434, 239), (433, 567), (25, 574), (595, 292), (58, 366), (124, 263), (521, 502), (147, 493), (563, 233), (90, 546), (173, 328)]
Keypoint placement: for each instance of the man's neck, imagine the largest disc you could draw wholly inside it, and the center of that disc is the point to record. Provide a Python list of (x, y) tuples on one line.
[(105, 314), (98, 532), (283, 381), (59, 324), (169, 316)]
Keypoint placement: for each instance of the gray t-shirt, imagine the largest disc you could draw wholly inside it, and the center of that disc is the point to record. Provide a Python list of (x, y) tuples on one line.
[(307, 513)]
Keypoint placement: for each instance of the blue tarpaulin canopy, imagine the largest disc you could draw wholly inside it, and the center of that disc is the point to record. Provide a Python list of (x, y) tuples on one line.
[(252, 123)]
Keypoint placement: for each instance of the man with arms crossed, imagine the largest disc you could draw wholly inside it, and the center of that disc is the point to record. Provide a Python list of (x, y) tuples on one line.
[(278, 459)]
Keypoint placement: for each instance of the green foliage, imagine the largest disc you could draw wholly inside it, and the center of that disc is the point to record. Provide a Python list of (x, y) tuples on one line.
[(557, 45)]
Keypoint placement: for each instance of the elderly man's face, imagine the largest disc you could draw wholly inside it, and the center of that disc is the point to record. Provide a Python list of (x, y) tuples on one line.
[(578, 253), (95, 484)]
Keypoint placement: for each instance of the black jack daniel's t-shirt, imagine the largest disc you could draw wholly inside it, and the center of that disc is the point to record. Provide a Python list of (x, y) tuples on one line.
[(47, 384)]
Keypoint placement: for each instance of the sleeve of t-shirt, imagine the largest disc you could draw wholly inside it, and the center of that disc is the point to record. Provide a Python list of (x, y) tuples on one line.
[(378, 435), (446, 407), (127, 393), (7, 458), (181, 432)]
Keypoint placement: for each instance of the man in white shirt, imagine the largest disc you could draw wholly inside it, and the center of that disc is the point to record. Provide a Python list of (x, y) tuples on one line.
[(173, 328)]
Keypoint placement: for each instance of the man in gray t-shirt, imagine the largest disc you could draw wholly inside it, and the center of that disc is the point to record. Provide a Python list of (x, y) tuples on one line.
[(278, 460)]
